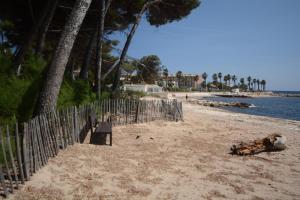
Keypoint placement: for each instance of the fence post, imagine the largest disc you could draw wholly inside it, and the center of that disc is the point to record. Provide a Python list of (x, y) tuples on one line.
[(19, 153), (25, 150), (12, 160), (5, 161), (76, 128), (137, 111), (2, 180)]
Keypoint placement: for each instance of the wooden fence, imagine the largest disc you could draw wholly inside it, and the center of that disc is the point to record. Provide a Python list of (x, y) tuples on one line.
[(24, 152)]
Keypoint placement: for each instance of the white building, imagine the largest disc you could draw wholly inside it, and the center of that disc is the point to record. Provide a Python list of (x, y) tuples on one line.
[(142, 88), (235, 90)]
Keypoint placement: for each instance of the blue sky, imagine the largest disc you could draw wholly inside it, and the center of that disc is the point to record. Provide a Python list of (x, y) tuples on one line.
[(260, 38)]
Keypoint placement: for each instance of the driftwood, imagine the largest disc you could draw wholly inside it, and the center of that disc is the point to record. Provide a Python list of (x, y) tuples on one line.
[(273, 142)]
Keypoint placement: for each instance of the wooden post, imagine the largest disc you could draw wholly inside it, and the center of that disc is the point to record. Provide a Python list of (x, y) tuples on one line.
[(53, 130), (20, 166), (76, 124), (60, 128), (33, 145), (64, 129), (12, 160), (25, 150), (137, 112), (5, 161), (2, 181), (41, 141), (31, 166)]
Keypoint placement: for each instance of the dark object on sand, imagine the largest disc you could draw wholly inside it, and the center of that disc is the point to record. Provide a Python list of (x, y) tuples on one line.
[(137, 137), (102, 129), (274, 142)]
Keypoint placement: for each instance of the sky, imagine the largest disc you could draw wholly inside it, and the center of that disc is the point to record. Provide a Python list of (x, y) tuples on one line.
[(257, 38)]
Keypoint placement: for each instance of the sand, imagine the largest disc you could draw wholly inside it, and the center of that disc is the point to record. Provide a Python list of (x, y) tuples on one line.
[(176, 160)]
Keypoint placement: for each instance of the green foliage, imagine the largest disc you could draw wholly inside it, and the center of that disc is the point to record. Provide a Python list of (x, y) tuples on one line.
[(175, 89), (18, 94), (105, 95), (132, 94), (75, 93), (149, 69), (170, 10), (33, 67)]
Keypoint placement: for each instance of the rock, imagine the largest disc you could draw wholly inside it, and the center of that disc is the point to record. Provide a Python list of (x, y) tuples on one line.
[(220, 104), (241, 105)]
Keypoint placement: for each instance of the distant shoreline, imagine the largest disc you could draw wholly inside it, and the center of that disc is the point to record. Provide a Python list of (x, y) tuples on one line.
[(230, 94)]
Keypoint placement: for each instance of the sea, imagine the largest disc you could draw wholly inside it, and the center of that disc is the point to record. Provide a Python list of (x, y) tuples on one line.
[(278, 107)]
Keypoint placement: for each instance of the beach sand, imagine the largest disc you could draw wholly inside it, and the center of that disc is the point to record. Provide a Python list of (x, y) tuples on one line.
[(176, 160)]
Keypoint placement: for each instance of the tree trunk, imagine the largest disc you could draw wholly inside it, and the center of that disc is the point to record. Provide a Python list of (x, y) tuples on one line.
[(44, 28), (30, 38), (87, 57), (119, 62), (116, 82), (88, 54), (99, 49), (52, 82)]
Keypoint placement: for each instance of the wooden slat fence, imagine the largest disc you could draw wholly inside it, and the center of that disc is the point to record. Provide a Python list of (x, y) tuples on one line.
[(24, 152)]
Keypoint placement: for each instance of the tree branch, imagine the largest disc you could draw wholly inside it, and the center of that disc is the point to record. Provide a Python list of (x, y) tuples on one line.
[(130, 35)]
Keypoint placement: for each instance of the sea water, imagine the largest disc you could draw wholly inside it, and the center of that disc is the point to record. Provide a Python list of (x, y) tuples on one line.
[(278, 107)]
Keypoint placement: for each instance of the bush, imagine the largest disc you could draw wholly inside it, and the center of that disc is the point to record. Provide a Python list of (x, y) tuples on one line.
[(19, 94), (75, 93), (132, 94)]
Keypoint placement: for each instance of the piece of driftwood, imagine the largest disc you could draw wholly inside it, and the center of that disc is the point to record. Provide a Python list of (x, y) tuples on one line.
[(273, 142)]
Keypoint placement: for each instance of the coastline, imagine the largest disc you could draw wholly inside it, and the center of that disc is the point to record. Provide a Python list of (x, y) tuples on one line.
[(270, 106), (212, 94), (183, 160)]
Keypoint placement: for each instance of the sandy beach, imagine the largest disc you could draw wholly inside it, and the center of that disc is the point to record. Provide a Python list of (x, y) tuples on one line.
[(176, 160)]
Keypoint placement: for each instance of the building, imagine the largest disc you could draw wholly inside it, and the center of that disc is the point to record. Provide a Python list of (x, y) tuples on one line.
[(186, 81), (235, 90), (142, 88)]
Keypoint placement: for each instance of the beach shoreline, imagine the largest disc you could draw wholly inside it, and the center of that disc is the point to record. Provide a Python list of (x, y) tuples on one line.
[(214, 94)]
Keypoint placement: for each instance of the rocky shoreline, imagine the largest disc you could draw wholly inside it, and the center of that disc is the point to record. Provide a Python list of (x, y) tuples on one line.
[(222, 104)]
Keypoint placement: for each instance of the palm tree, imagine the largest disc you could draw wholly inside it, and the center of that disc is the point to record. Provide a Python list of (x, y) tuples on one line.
[(242, 81), (229, 78), (204, 76), (258, 84), (234, 78), (215, 78), (225, 79), (254, 84), (165, 71), (263, 83), (165, 75), (249, 82), (196, 79), (220, 77)]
